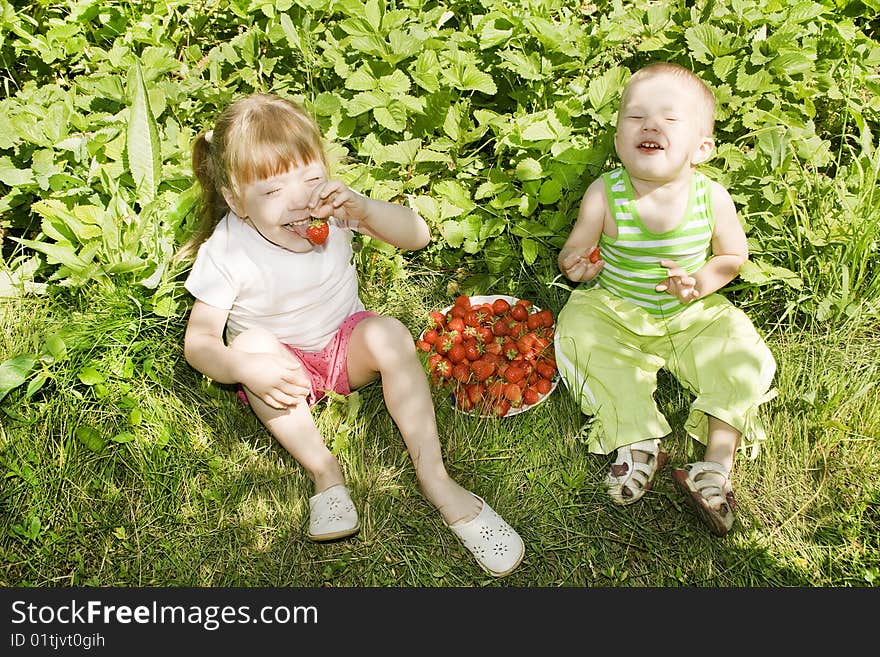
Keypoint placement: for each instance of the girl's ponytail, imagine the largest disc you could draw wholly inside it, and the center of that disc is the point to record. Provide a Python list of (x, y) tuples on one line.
[(212, 205)]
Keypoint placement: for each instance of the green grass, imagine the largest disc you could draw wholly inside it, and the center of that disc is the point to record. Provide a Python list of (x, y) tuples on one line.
[(201, 495)]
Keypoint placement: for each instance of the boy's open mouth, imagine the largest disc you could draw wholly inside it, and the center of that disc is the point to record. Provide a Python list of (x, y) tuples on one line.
[(650, 146)]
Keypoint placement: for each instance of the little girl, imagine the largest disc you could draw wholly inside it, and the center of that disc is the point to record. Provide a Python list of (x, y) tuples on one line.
[(277, 311)]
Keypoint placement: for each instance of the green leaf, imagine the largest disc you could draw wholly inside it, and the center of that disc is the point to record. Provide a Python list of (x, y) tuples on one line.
[(361, 80), (395, 84), (529, 169), (392, 117), (54, 349), (551, 191), (529, 251), (12, 176), (453, 192), (14, 372), (760, 273), (605, 88), (453, 233), (707, 41), (366, 101), (90, 376), (90, 437), (142, 140), (61, 253)]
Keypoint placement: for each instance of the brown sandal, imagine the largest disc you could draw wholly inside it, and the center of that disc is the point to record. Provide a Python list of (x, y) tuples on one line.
[(706, 486)]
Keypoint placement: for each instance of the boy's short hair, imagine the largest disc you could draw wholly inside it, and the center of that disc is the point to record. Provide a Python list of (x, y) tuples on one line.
[(681, 72)]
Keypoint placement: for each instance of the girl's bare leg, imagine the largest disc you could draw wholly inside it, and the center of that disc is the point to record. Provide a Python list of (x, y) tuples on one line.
[(382, 346), (294, 426)]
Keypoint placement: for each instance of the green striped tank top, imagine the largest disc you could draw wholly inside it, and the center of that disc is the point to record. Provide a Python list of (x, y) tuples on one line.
[(632, 259)]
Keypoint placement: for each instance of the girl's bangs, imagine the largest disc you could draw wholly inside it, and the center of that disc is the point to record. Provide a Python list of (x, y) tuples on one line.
[(274, 150)]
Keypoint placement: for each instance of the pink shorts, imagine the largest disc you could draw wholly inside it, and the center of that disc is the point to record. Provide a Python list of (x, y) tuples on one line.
[(326, 369)]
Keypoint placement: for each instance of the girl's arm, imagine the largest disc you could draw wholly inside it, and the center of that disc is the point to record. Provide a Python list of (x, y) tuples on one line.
[(574, 257), (277, 379), (203, 345), (393, 223)]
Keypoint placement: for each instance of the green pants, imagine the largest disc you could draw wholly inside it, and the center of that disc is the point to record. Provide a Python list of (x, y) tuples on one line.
[(609, 351)]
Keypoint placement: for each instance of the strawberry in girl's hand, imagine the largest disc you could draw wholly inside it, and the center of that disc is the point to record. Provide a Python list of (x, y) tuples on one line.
[(318, 231), (595, 255)]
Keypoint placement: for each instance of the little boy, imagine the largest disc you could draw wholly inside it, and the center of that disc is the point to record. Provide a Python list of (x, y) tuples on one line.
[(669, 238)]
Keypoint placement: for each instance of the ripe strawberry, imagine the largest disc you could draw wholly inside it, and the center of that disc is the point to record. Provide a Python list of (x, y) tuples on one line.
[(594, 255), (476, 392), (318, 231), (513, 394), (514, 374), (424, 346), (461, 372), (463, 403), (456, 353), (455, 324), (472, 350), (463, 300), (438, 318), (530, 396), (501, 407), (546, 370), (500, 306), (519, 312), (496, 390), (431, 336), (543, 386), (482, 369), (535, 321)]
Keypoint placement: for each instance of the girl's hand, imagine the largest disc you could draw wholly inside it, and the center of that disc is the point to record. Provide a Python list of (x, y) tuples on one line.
[(335, 198), (278, 382), (583, 266), (678, 282)]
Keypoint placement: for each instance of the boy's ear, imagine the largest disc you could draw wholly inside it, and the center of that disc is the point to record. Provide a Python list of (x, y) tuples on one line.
[(230, 201), (703, 151)]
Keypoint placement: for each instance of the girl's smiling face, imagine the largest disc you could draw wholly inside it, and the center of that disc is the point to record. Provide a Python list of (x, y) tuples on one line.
[(278, 206), (661, 129)]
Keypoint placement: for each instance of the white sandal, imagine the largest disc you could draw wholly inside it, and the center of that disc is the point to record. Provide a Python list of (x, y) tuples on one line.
[(706, 485), (495, 545), (332, 515), (629, 480)]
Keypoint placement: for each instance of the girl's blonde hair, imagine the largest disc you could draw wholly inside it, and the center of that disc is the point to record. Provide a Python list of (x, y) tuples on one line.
[(256, 137), (707, 98)]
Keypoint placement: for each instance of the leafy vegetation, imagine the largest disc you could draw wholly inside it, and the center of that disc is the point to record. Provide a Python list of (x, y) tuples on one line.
[(122, 466)]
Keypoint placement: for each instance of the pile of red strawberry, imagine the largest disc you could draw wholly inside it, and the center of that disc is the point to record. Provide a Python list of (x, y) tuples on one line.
[(491, 356)]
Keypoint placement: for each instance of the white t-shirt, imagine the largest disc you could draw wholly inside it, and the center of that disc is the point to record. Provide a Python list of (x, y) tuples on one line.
[(301, 298)]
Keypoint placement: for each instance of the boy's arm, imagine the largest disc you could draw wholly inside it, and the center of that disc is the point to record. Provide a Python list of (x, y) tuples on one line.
[(729, 252), (574, 257), (729, 245)]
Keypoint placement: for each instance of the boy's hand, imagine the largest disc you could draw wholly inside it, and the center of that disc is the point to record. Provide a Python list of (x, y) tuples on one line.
[(335, 198), (583, 266), (678, 282), (278, 382)]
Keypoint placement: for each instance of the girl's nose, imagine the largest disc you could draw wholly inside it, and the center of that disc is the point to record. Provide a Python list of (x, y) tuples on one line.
[(297, 201)]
